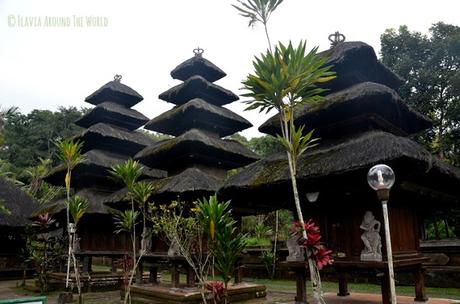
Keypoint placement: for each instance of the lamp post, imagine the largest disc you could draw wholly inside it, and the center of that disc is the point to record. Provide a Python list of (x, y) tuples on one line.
[(381, 178)]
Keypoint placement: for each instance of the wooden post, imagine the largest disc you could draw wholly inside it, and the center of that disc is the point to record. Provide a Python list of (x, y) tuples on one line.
[(153, 275), (385, 285), (113, 266), (301, 288), (175, 275), (139, 273), (343, 287), (420, 292), (86, 264), (190, 276), (238, 274)]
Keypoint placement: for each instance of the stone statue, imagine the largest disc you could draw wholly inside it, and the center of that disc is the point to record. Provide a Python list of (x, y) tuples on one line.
[(173, 249), (147, 240), (371, 238), (296, 252)]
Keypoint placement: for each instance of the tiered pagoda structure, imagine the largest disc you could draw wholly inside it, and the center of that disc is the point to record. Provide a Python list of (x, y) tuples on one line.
[(197, 158), (109, 139), (361, 122)]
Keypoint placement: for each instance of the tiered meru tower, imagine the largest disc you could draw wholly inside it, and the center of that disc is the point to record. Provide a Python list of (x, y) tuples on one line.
[(197, 159), (110, 139)]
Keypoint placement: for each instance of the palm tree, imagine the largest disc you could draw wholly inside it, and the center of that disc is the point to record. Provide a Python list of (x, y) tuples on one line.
[(285, 80), (69, 152)]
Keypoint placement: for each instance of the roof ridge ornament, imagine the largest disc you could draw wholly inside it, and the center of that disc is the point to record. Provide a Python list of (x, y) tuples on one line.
[(336, 38), (198, 52), (117, 78)]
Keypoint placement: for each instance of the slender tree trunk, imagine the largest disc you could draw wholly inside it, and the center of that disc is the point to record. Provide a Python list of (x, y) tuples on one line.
[(275, 243), (67, 227), (268, 37)]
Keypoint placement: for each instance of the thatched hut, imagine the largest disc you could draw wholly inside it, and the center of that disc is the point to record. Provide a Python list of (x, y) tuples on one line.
[(19, 206), (361, 122), (109, 139)]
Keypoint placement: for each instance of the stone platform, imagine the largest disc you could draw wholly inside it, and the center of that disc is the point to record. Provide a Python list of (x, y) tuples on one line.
[(165, 293)]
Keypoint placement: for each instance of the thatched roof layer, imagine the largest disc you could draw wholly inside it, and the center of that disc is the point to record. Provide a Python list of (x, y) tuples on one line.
[(198, 114), (339, 159), (369, 102), (198, 87), (94, 169), (110, 138), (197, 65), (196, 147), (116, 92), (19, 204), (356, 62), (115, 114), (191, 183), (94, 196)]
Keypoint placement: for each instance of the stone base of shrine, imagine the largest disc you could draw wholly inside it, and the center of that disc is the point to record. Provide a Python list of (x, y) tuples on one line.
[(96, 281), (164, 293)]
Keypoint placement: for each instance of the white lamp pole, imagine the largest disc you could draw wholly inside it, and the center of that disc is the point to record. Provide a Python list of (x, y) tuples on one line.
[(381, 178)]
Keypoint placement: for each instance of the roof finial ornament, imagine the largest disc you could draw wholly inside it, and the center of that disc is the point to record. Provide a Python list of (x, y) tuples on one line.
[(198, 51), (117, 78), (336, 38)]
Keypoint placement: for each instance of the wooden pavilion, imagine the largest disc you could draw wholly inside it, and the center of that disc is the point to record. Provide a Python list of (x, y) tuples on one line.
[(19, 206), (109, 139), (361, 122)]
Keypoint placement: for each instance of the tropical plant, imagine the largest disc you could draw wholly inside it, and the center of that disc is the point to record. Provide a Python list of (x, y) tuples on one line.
[(285, 80), (141, 193), (77, 208), (125, 221), (224, 242), (183, 230), (258, 11), (70, 153)]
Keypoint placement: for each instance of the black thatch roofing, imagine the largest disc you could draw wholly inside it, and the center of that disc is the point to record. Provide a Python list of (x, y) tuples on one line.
[(114, 114), (117, 92), (197, 65), (94, 196), (267, 178), (198, 87), (110, 138), (356, 62), (190, 184), (198, 114), (363, 106), (94, 169), (196, 147), (19, 204)]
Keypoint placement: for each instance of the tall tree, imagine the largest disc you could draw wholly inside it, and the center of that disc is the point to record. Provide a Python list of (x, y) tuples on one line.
[(29, 137), (430, 66)]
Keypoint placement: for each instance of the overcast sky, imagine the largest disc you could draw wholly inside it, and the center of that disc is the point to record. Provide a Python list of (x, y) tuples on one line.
[(45, 67)]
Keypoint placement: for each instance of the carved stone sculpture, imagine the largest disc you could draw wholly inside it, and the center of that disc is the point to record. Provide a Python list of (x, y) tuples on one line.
[(296, 252), (147, 240), (173, 249), (371, 238)]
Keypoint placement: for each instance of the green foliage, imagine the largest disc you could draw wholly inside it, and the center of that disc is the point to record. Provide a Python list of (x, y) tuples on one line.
[(141, 193), (36, 187), (267, 258), (286, 78), (69, 152), (257, 10), (262, 231), (3, 209), (214, 216), (125, 220), (77, 208), (28, 137), (430, 66), (263, 145), (127, 173)]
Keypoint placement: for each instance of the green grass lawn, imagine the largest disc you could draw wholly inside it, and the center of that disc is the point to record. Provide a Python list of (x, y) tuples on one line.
[(289, 286)]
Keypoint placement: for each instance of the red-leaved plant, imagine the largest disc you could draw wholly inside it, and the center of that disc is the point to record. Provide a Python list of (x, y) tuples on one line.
[(217, 289), (319, 253)]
